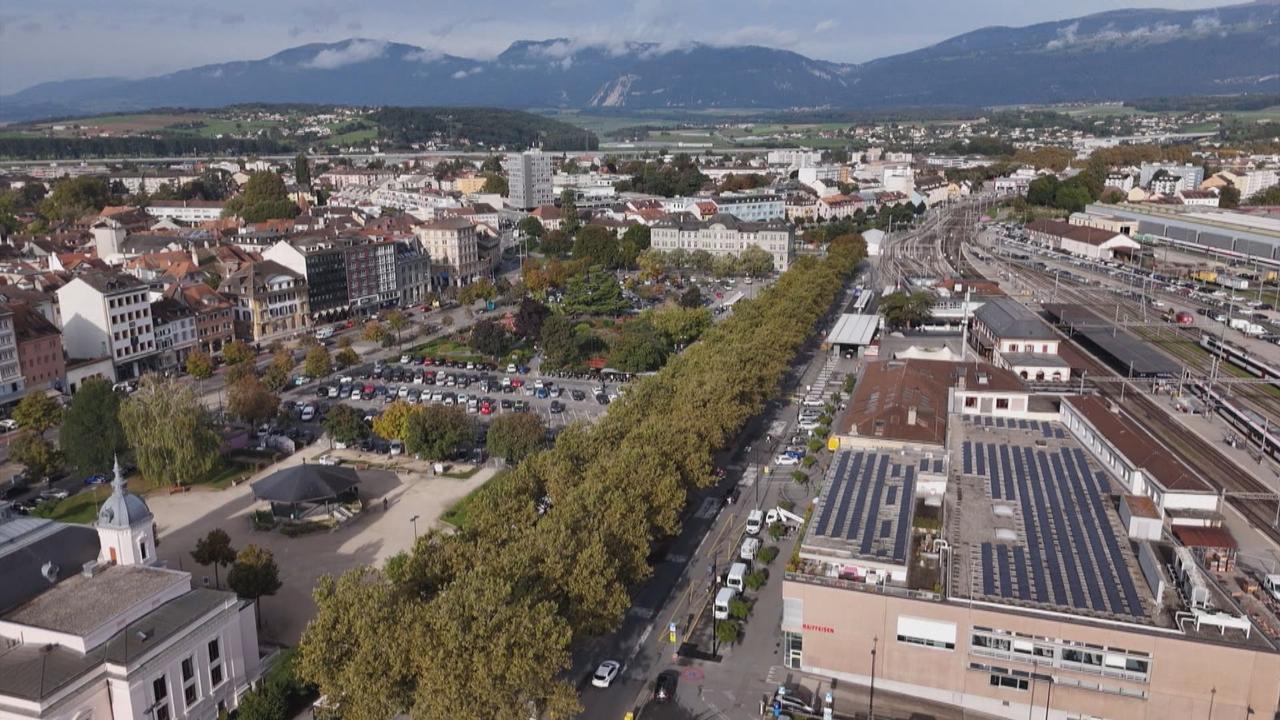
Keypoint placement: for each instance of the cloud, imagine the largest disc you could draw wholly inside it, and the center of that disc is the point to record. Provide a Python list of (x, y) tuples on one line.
[(1205, 23), (354, 51), (423, 55), (825, 25), (459, 75), (765, 35), (1070, 35)]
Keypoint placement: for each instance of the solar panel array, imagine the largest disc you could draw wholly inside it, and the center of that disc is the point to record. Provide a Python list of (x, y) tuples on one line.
[(1072, 556), (1045, 428), (868, 504)]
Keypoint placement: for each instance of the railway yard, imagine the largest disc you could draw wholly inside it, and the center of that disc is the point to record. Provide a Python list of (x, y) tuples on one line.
[(1208, 372)]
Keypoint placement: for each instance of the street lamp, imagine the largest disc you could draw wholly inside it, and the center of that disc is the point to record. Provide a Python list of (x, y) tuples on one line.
[(414, 520), (871, 699)]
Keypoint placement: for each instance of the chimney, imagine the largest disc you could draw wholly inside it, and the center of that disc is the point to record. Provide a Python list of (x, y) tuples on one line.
[(50, 572), (911, 415)]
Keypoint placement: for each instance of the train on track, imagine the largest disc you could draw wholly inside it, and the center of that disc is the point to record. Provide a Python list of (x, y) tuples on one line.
[(1241, 358), (1254, 430)]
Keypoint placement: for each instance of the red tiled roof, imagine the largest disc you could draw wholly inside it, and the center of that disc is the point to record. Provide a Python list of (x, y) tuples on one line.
[(1204, 537)]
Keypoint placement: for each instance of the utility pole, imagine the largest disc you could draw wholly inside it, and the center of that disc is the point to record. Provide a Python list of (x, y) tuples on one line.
[(871, 699)]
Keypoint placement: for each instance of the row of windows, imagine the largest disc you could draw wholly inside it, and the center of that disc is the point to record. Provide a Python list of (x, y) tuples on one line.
[(1068, 654), (926, 642), (121, 301), (131, 332), (191, 691), (129, 316)]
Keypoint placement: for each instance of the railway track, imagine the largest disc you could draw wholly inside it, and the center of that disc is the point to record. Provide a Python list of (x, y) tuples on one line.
[(1243, 490)]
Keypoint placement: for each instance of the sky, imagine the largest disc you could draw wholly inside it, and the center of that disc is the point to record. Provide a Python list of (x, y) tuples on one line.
[(42, 40)]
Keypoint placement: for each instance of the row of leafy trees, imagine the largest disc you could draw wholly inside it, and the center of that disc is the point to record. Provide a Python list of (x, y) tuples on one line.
[(49, 148), (485, 618)]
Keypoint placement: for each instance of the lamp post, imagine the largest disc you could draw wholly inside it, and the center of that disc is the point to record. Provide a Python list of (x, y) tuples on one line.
[(871, 699), (414, 520), (1213, 694), (1048, 698)]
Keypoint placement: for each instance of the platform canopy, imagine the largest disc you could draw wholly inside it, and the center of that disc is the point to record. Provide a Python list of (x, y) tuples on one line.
[(853, 329)]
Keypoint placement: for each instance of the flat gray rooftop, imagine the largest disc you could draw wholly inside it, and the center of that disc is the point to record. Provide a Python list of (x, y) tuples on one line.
[(80, 605)]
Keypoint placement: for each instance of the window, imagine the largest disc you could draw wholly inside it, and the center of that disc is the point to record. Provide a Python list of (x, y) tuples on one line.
[(971, 401), (993, 643), (215, 663), (1008, 681), (1002, 403), (160, 691), (190, 686), (142, 549), (929, 633)]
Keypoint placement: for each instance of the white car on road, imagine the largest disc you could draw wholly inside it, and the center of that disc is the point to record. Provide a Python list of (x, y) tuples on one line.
[(785, 459), (605, 674)]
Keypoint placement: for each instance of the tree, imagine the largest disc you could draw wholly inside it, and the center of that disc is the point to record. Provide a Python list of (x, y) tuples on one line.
[(594, 293), (214, 549), (35, 453), (529, 318), (652, 263), (251, 401), (569, 212), (264, 197), (345, 424), (277, 375), (1042, 190), (516, 436), (438, 431), (482, 289), (679, 325), (397, 321), (267, 702), (597, 245), (691, 297), (91, 435), (531, 227), (727, 632), (302, 170), (639, 349), (496, 184), (634, 241), (72, 198), (317, 363), (903, 310), (373, 331), (491, 164), (393, 423), (37, 412), (171, 433), (199, 365), (489, 338), (702, 260), (1270, 196), (1228, 196), (755, 261), (556, 243), (345, 358), (236, 352), (559, 342), (1071, 197), (254, 574)]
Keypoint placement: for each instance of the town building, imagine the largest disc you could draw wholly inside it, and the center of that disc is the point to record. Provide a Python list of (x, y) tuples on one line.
[(214, 314), (725, 235), (187, 211), (1016, 339), (39, 344), (11, 380), (751, 207), (1188, 176), (1079, 240), (270, 301), (413, 272), (94, 629), (108, 314), (453, 247), (528, 180), (176, 333), (371, 275), (1010, 585), (793, 158), (322, 261), (1203, 198)]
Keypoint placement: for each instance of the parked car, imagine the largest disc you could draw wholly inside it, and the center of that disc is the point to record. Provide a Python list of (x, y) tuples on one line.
[(8, 424), (54, 494), (97, 479), (665, 687)]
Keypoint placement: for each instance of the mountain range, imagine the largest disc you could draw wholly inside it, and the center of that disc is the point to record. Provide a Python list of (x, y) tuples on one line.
[(1116, 55)]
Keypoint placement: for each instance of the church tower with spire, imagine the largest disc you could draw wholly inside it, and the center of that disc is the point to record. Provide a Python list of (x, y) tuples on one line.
[(125, 527)]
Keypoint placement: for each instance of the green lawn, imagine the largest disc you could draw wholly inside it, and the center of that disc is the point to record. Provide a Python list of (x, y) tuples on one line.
[(356, 137), (458, 514), (448, 348), (80, 508)]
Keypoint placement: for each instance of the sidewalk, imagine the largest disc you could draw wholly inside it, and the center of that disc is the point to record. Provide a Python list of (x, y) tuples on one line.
[(852, 701)]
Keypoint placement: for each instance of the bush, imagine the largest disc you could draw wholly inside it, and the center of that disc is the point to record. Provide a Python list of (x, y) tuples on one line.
[(727, 632), (739, 609), (767, 554), (809, 461), (815, 445), (262, 520), (777, 530), (756, 579)]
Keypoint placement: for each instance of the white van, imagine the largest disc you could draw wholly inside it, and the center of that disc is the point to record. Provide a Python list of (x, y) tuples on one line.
[(755, 520), (737, 572), (324, 333), (723, 598), (750, 547)]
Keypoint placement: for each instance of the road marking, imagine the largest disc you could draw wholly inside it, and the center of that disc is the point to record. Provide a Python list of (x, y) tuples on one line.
[(678, 559), (710, 506)]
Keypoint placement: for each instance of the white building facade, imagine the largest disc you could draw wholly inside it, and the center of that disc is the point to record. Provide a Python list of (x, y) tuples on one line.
[(108, 315), (529, 179), (725, 235)]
